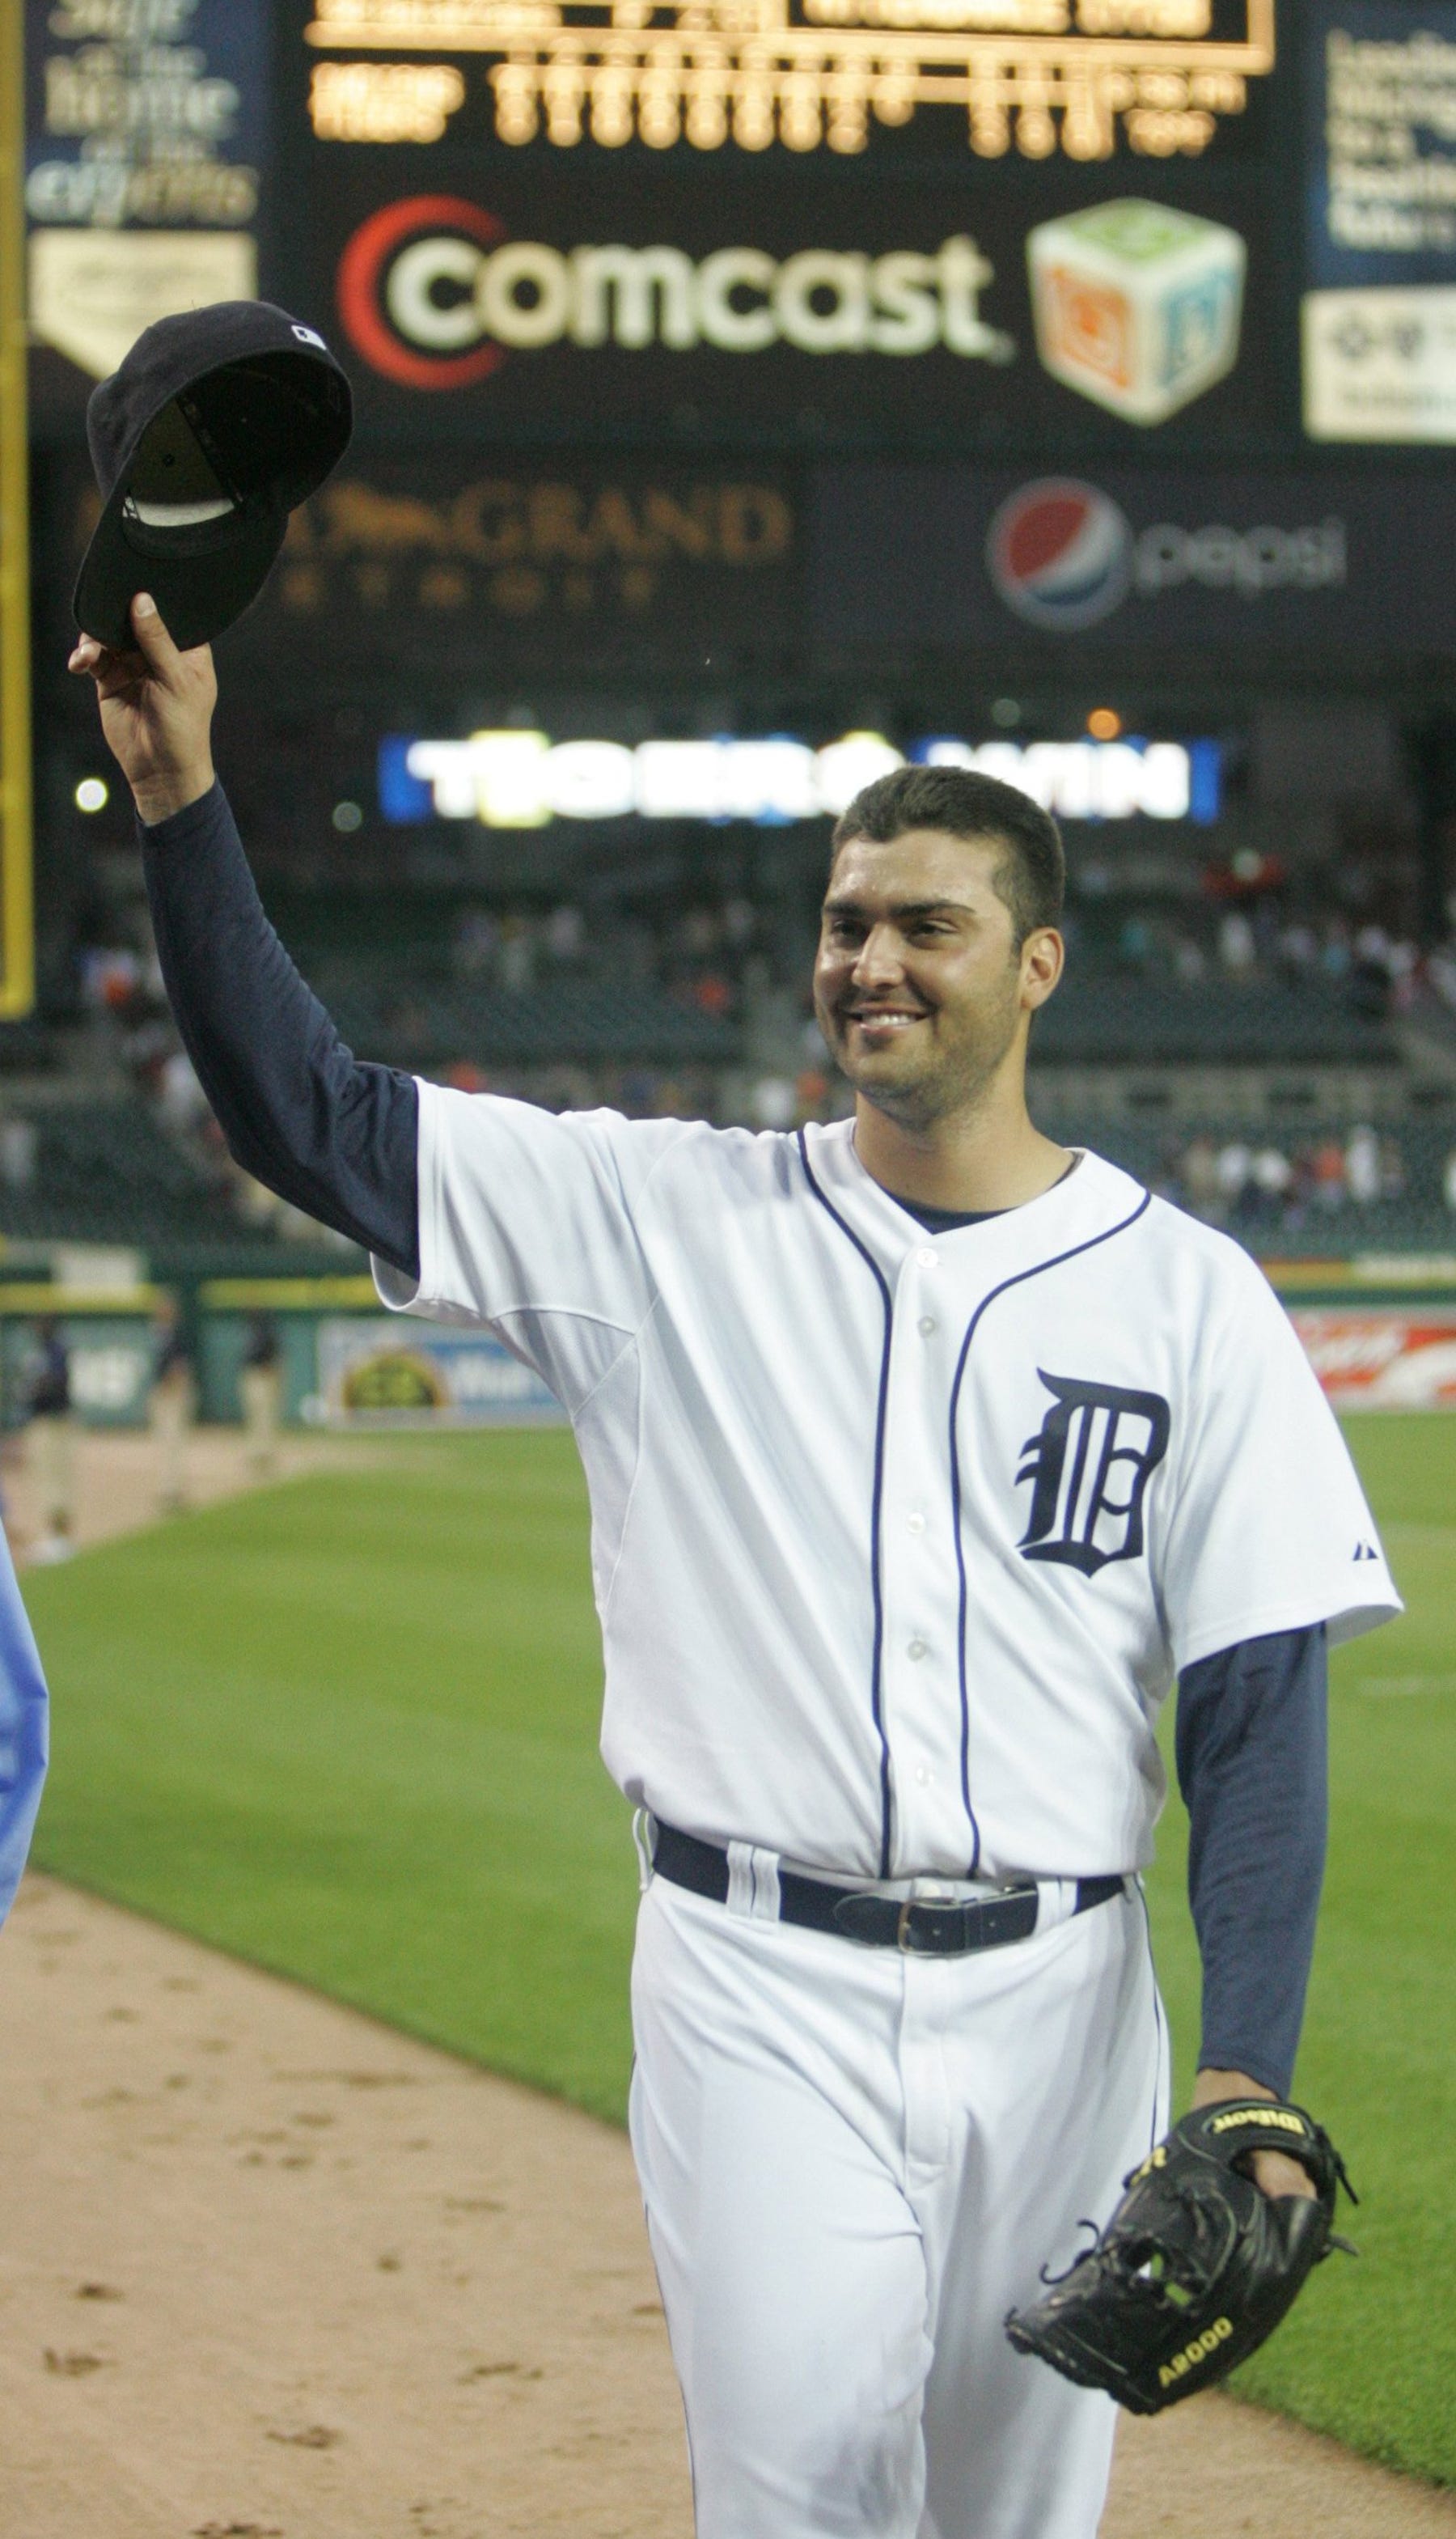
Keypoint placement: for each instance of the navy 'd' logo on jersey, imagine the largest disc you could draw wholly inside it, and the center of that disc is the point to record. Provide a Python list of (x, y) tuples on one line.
[(1088, 1465)]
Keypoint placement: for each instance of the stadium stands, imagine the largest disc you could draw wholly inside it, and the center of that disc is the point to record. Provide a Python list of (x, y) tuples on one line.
[(1100, 1017), (1332, 1191), (593, 1021), (102, 1170), (1257, 1060)]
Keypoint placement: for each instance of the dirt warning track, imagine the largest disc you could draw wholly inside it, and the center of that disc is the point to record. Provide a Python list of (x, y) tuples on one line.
[(270, 2271)]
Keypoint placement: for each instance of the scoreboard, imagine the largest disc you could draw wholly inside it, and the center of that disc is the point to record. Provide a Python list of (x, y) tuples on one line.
[(1024, 75), (795, 225), (992, 326), (1021, 228)]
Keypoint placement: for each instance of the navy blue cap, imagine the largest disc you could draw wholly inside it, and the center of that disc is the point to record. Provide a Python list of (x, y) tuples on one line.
[(218, 424)]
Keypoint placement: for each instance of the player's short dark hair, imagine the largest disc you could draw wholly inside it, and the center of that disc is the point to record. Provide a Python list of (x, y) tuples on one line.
[(1033, 875)]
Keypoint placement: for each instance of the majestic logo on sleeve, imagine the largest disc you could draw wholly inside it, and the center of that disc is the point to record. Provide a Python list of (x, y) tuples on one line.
[(1088, 1465)]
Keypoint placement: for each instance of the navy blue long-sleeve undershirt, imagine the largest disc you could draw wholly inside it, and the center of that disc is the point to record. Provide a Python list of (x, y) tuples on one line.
[(333, 1135), (338, 1138)]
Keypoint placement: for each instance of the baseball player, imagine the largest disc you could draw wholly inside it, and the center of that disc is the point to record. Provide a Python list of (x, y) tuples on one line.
[(924, 1456)]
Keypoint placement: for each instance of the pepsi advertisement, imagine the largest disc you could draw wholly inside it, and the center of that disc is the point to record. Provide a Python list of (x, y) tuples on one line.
[(1204, 561), (1059, 307)]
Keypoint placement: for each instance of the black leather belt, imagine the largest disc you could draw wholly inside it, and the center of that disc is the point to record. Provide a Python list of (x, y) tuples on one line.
[(913, 1924)]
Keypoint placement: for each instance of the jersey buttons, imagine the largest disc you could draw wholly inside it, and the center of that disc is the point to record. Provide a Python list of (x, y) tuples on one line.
[(926, 1326), (915, 1521), (916, 1649), (926, 1259)]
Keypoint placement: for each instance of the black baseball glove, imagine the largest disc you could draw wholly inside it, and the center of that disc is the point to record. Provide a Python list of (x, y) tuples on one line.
[(1196, 2266)]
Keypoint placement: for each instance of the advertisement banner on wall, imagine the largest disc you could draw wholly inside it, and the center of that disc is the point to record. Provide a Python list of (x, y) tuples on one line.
[(1373, 1359), (472, 562), (958, 557), (146, 143), (1379, 319), (596, 297), (379, 1372), (110, 1359), (494, 555)]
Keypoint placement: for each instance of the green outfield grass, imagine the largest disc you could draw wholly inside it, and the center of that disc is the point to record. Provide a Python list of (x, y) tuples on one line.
[(347, 1729), (1369, 2353)]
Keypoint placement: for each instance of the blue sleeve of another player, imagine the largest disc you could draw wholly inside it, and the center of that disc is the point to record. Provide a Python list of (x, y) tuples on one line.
[(332, 1135), (23, 1726), (1252, 1768)]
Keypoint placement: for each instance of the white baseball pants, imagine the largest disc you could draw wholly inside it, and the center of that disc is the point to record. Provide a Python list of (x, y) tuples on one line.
[(853, 2164)]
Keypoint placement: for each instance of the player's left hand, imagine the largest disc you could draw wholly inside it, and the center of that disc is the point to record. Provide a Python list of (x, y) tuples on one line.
[(1198, 2263), (1273, 2170), (156, 709)]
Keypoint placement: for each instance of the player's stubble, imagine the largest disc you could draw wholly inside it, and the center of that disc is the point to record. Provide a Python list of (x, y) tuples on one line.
[(921, 988)]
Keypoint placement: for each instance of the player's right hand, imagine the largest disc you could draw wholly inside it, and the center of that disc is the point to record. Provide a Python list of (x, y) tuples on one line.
[(157, 711)]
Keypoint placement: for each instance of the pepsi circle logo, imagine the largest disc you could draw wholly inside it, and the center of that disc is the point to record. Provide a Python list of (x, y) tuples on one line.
[(1060, 553)]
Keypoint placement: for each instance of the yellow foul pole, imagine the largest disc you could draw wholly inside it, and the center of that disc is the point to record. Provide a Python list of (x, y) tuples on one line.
[(17, 940)]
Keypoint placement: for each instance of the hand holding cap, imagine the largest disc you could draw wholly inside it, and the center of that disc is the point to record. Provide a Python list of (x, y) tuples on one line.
[(218, 424)]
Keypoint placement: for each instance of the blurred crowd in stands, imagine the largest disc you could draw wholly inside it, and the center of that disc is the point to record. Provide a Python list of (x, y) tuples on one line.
[(664, 1004), (697, 954), (715, 959), (122, 988), (1378, 972), (1250, 1182)]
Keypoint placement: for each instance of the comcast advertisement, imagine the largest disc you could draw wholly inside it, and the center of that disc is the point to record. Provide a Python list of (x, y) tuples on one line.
[(816, 315)]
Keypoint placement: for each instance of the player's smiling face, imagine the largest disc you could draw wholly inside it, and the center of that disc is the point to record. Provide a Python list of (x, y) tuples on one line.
[(920, 988)]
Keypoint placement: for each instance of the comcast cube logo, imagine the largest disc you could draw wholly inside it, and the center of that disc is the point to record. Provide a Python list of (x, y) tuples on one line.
[(1137, 305), (1060, 553)]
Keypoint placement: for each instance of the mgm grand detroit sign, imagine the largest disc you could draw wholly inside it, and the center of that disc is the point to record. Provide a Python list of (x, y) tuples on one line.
[(1028, 75)]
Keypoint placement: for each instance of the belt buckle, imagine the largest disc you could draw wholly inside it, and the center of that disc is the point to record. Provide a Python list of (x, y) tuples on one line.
[(904, 1933), (955, 1929)]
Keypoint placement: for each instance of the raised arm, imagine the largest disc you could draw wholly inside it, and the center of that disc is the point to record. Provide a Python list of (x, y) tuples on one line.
[(334, 1135)]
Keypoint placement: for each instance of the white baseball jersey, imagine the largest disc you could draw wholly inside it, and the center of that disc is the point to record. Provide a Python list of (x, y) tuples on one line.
[(898, 1539)]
